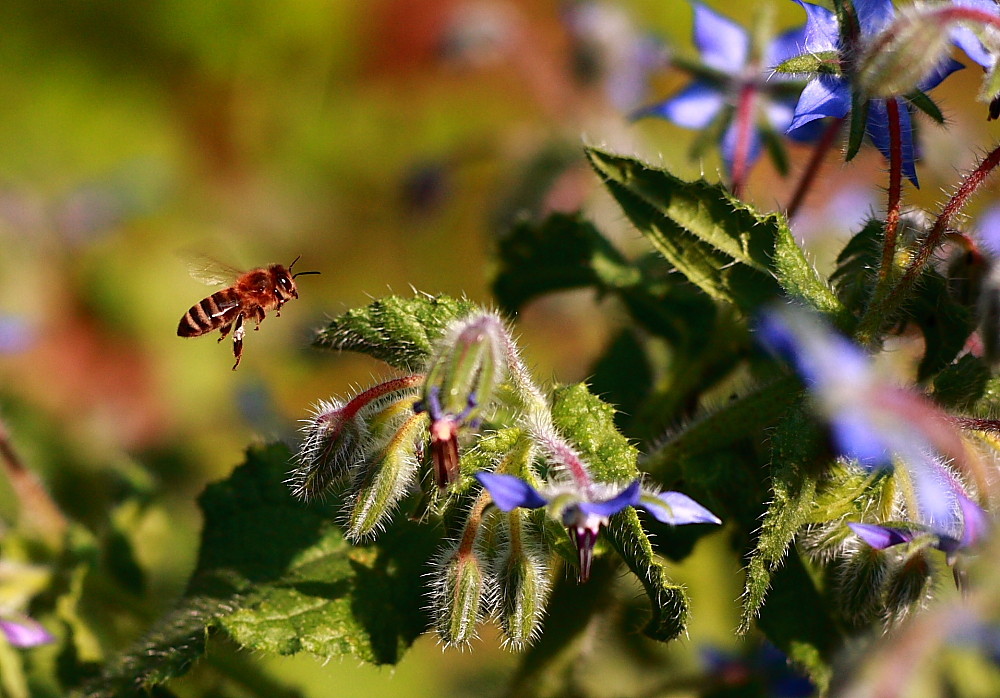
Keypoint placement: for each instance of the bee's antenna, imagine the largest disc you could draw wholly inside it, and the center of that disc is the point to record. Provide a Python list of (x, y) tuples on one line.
[(301, 273)]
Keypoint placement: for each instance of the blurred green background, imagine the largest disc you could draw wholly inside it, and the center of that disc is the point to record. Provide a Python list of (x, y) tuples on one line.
[(389, 143)]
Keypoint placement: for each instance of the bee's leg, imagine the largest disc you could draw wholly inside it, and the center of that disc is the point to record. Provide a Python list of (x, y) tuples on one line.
[(238, 332), (224, 331), (258, 316)]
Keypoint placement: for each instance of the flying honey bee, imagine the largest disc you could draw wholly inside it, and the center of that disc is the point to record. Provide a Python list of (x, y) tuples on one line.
[(251, 295)]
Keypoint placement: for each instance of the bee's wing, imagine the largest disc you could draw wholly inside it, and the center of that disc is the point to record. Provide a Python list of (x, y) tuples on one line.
[(211, 271)]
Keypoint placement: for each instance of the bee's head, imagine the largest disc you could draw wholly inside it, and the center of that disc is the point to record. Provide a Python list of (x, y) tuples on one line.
[(284, 280)]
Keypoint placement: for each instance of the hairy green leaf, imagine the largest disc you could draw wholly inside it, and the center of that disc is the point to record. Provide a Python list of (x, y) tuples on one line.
[(561, 253), (278, 576), (795, 445), (719, 243), (399, 331)]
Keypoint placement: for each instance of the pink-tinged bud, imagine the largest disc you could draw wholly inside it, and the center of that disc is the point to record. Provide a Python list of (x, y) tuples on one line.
[(336, 433)]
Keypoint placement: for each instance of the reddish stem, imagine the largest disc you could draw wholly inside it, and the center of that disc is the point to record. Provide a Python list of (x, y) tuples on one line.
[(744, 134), (895, 188), (823, 146), (972, 182)]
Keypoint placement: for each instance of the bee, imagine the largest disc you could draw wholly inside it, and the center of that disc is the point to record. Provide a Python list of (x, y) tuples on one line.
[(251, 295)]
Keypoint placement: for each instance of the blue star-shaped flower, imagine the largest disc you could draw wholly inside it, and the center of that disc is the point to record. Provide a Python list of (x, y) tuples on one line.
[(584, 513), (830, 95), (725, 50)]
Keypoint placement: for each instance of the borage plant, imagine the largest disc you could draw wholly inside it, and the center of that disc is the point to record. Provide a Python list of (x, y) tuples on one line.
[(841, 427)]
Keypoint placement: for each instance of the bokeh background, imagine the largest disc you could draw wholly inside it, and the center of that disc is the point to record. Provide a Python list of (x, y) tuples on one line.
[(389, 142)]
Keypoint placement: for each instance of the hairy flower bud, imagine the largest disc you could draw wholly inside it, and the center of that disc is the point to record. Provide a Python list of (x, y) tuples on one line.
[(523, 581), (385, 475), (463, 375), (908, 586), (860, 583), (899, 59), (337, 431), (462, 593)]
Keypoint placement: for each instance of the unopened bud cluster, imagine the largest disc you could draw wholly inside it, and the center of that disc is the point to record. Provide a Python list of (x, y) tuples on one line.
[(474, 398)]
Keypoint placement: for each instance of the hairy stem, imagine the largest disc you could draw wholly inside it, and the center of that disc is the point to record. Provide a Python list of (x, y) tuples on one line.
[(826, 141)]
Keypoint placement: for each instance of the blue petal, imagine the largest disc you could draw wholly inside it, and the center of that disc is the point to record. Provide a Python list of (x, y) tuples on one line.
[(826, 95), (823, 358), (627, 497), (975, 521), (856, 437), (989, 230), (822, 32), (724, 44), (780, 112), (693, 107), (939, 73), (881, 537), (874, 15), (677, 509), (878, 131), (729, 141), (786, 45), (510, 492), (937, 498)]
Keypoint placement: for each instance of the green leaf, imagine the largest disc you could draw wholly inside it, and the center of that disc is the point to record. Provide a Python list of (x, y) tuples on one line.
[(739, 419), (719, 243), (796, 621), (859, 124), (399, 331), (668, 601), (945, 323), (822, 62), (561, 253), (589, 424), (795, 445), (963, 383), (854, 278), (278, 576)]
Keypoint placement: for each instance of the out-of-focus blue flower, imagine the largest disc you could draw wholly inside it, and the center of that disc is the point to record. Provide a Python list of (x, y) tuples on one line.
[(16, 334), (22, 631), (584, 513), (829, 95), (726, 52), (871, 419)]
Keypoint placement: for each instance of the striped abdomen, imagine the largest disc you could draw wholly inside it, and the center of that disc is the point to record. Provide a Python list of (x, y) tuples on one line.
[(216, 311)]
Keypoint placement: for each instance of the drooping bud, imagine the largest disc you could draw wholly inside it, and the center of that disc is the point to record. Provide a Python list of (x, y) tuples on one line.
[(899, 59), (860, 584), (907, 588), (335, 433), (387, 471), (462, 593), (523, 581), (461, 381)]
